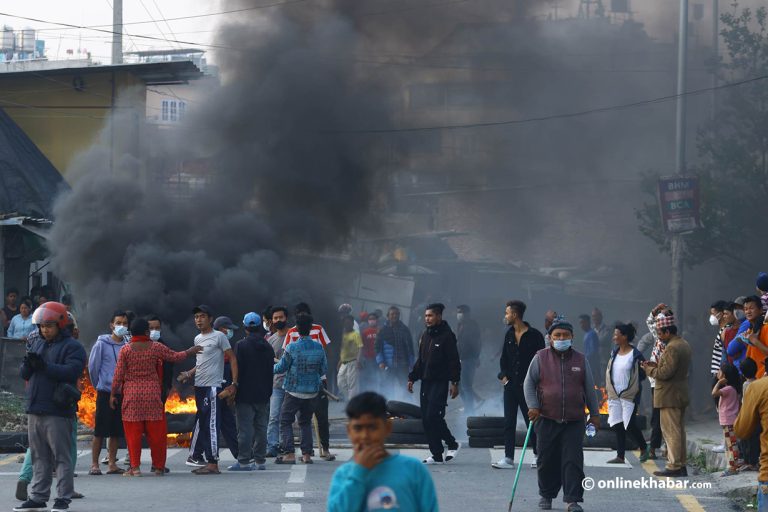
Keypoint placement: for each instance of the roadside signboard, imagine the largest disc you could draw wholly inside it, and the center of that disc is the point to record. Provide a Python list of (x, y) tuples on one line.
[(679, 202)]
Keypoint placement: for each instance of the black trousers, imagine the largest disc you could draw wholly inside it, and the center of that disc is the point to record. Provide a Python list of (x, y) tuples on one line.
[(320, 406), (655, 426), (750, 447), (514, 399), (633, 430), (434, 399), (560, 459), (214, 417)]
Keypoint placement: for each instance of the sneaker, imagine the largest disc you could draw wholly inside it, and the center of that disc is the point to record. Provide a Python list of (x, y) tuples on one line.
[(450, 454), (545, 504), (729, 472), (105, 460), (241, 467), (429, 461), (195, 463), (574, 507), (60, 506), (719, 448), (31, 506), (21, 490), (271, 453), (504, 463), (534, 465), (261, 467)]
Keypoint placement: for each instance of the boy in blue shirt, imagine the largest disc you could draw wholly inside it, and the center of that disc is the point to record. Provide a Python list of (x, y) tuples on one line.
[(375, 479)]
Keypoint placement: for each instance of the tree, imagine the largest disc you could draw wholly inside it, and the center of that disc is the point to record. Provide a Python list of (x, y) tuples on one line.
[(733, 155)]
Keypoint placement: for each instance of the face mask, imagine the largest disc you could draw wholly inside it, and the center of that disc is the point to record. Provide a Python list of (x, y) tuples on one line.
[(120, 331), (279, 325), (459, 316), (154, 335), (561, 345), (230, 333), (739, 313), (713, 320), (373, 323)]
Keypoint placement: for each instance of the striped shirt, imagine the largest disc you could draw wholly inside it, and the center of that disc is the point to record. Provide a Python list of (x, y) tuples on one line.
[(658, 346), (317, 333), (717, 353)]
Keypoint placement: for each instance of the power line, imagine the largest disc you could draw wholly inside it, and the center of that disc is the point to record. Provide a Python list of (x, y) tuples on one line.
[(193, 16), (552, 117)]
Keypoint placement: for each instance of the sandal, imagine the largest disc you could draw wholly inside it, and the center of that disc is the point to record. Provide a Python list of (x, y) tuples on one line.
[(306, 459), (615, 460), (117, 471), (95, 472), (205, 470), (284, 460), (131, 472)]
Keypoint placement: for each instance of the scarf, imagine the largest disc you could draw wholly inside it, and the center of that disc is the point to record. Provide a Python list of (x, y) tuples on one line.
[(135, 339)]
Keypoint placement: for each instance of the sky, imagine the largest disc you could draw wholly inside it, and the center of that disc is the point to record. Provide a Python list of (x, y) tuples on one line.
[(99, 12)]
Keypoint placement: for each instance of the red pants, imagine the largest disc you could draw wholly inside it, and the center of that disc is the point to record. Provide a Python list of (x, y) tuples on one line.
[(155, 431)]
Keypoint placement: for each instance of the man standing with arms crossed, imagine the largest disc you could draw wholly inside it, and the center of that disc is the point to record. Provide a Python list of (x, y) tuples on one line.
[(209, 375), (437, 364)]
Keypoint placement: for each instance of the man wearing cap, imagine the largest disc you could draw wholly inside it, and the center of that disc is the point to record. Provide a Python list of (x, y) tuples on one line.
[(255, 359), (209, 378), (558, 387), (671, 392)]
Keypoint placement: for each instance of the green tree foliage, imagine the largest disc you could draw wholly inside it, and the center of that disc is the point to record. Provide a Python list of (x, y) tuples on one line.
[(733, 154)]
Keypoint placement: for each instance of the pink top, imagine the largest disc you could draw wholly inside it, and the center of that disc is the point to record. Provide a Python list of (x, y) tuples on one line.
[(729, 405)]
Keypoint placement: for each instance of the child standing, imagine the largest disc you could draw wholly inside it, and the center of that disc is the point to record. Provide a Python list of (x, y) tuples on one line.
[(375, 479), (750, 447), (728, 390)]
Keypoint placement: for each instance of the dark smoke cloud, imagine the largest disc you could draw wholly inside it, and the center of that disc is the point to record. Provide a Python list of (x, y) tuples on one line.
[(281, 181)]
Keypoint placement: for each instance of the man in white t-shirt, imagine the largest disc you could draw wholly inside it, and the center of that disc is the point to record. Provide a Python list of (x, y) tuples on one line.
[(209, 376)]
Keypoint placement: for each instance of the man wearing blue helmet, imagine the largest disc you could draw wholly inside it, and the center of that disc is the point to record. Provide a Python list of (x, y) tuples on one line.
[(255, 358)]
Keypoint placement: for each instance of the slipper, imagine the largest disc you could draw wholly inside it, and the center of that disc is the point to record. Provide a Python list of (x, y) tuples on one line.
[(117, 471), (307, 461), (205, 470), (77, 496), (281, 460), (132, 472), (95, 472)]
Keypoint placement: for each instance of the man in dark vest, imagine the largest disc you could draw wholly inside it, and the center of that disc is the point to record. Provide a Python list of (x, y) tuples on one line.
[(557, 388)]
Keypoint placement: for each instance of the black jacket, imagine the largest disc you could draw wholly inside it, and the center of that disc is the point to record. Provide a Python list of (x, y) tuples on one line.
[(65, 360), (255, 360), (515, 359), (438, 358), (468, 335)]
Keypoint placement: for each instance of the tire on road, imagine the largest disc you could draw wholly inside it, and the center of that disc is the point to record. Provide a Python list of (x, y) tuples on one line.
[(399, 438), (403, 409), (407, 426), (485, 442), (485, 422), (485, 432)]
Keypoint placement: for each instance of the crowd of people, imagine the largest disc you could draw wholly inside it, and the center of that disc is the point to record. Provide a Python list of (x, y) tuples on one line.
[(252, 391)]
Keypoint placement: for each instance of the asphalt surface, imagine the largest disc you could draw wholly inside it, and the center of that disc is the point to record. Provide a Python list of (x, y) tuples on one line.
[(466, 484)]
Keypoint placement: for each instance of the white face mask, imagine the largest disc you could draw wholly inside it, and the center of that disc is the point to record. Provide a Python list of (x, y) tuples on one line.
[(154, 335), (120, 331), (713, 320), (739, 314), (459, 316)]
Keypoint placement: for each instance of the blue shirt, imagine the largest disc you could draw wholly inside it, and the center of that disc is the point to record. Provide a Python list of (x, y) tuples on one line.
[(303, 363), (20, 327), (591, 344), (396, 483)]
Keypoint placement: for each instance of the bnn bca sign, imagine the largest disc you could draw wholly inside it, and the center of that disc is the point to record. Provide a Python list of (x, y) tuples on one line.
[(679, 202)]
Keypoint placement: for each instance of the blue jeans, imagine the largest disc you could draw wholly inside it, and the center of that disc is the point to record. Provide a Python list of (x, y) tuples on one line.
[(273, 427), (762, 496)]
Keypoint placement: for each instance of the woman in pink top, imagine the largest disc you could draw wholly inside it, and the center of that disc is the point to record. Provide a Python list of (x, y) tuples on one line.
[(728, 390)]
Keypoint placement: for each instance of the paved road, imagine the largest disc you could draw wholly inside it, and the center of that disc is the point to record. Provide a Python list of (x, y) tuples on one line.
[(468, 484)]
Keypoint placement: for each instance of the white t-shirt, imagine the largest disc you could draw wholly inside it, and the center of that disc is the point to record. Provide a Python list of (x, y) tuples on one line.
[(621, 371), (210, 362)]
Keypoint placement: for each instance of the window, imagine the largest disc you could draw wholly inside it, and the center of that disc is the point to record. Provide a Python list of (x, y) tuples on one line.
[(173, 111)]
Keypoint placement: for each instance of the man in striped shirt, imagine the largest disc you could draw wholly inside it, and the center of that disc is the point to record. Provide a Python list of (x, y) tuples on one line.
[(318, 334), (717, 318)]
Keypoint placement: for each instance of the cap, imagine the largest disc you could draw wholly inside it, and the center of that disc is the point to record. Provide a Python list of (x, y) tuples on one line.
[(762, 282), (740, 300), (560, 323), (223, 321), (345, 309), (251, 319), (202, 308)]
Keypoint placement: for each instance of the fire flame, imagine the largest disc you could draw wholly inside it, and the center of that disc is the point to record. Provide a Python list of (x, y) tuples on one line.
[(86, 412), (603, 399)]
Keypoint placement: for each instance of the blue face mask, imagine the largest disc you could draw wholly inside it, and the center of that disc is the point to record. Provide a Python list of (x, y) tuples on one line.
[(561, 345), (230, 333), (120, 331)]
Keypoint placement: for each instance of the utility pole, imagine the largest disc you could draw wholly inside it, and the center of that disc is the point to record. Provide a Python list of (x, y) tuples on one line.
[(678, 243), (716, 56), (117, 29)]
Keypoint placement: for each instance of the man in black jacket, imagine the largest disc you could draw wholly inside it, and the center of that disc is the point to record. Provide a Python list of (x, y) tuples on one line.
[(521, 342), (52, 366), (437, 364), (255, 358)]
